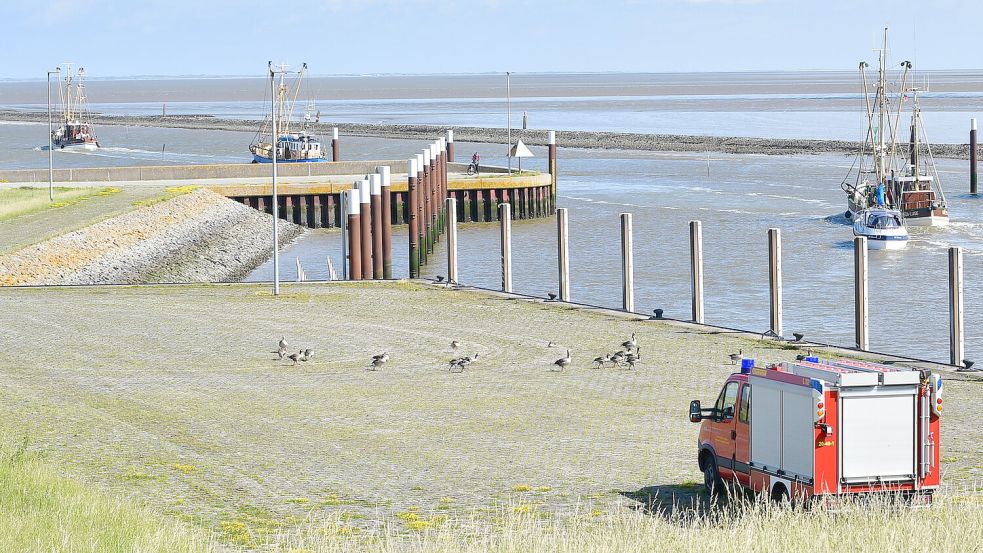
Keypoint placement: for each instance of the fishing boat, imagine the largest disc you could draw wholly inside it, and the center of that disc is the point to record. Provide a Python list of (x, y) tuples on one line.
[(882, 226), (911, 181), (75, 130), (292, 144)]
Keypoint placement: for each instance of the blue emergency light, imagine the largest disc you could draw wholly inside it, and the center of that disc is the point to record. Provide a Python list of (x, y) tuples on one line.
[(812, 359), (746, 365)]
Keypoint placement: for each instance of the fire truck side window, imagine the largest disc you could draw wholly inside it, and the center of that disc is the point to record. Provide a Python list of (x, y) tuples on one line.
[(728, 397), (745, 412)]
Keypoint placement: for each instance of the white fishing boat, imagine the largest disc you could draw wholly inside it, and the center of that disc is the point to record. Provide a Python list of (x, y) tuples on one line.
[(292, 144), (882, 226), (75, 130), (911, 181)]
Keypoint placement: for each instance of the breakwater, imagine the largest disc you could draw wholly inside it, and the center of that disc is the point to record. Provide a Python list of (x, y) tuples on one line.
[(195, 237), (565, 138)]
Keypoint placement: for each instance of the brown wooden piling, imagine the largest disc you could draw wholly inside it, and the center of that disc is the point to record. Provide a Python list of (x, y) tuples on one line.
[(420, 207), (335, 145), (387, 221), (972, 157), (414, 231), (450, 145), (365, 213), (354, 236), (375, 182), (552, 169)]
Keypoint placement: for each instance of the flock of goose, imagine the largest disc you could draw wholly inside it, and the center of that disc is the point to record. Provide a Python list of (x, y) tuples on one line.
[(281, 351), (629, 355)]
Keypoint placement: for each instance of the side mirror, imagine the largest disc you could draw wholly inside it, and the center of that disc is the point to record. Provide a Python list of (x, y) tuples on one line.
[(694, 411)]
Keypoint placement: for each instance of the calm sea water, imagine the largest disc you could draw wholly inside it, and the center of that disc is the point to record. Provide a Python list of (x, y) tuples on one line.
[(738, 202)]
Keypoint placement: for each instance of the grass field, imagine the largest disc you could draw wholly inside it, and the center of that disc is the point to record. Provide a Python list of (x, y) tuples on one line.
[(170, 396), (15, 202)]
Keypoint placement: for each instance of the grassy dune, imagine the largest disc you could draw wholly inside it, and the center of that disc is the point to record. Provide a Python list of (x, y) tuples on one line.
[(15, 202), (41, 510)]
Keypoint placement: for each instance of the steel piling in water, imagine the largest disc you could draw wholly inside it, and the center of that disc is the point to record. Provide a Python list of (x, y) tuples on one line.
[(972, 157), (957, 347), (551, 147), (421, 220), (365, 198), (414, 217), (696, 268), (860, 302), (775, 279), (563, 252), (451, 239), (387, 222), (375, 184), (627, 264), (354, 233), (427, 246), (505, 222)]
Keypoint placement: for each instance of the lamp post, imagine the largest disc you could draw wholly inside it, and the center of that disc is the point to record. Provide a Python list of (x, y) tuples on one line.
[(508, 112), (273, 154), (51, 188)]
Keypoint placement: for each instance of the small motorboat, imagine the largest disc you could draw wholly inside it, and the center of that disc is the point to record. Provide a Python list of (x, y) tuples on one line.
[(883, 227)]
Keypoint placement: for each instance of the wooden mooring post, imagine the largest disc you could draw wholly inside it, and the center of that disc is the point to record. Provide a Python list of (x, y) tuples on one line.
[(420, 219), (775, 279), (860, 302), (696, 268), (335, 145), (365, 209), (551, 149), (627, 265), (957, 346), (563, 252), (375, 185), (505, 222), (451, 240), (972, 157), (450, 145)]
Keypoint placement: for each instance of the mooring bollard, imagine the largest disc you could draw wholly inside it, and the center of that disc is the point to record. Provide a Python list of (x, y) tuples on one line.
[(354, 235), (972, 157), (414, 217), (696, 268), (387, 221), (775, 279), (505, 219), (365, 209), (335, 145), (451, 240), (450, 145), (627, 265), (375, 184), (957, 336), (552, 168), (563, 253), (861, 320)]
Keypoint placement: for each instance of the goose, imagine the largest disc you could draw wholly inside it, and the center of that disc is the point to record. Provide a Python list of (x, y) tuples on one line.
[(455, 344), (735, 357), (551, 296), (283, 343), (457, 366), (630, 344), (617, 358), (600, 361), (378, 361), (563, 362), (551, 344), (281, 352), (633, 358), (295, 356), (306, 354)]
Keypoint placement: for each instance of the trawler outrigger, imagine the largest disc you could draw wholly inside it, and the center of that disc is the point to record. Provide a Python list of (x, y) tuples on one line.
[(75, 130), (291, 145)]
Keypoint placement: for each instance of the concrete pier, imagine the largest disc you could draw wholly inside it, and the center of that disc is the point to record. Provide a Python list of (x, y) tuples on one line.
[(451, 240), (957, 334), (775, 280)]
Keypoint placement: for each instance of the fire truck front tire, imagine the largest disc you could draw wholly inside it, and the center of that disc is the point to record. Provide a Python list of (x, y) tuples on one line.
[(711, 477)]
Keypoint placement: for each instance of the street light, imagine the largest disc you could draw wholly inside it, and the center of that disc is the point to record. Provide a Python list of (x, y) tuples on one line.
[(276, 208), (51, 188)]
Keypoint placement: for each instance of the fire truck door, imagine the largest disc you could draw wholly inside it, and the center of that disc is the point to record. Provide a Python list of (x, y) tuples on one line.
[(724, 430), (742, 437)]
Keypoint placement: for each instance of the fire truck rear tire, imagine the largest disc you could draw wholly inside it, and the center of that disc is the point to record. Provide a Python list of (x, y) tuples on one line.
[(711, 478)]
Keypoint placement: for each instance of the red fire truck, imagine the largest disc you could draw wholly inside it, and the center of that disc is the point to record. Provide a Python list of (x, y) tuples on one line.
[(811, 428)]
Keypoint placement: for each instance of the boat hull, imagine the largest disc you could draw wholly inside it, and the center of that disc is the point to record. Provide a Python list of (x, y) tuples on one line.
[(886, 242), (262, 159)]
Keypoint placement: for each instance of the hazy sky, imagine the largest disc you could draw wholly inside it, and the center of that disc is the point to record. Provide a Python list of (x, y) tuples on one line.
[(237, 37)]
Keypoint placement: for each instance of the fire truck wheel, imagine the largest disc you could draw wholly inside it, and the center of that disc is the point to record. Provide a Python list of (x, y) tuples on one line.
[(711, 478), (779, 494)]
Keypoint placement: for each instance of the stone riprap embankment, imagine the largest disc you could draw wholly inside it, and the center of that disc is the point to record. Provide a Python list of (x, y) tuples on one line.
[(565, 138), (195, 237)]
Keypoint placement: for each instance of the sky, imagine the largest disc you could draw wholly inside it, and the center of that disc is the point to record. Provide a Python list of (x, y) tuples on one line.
[(115, 38)]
